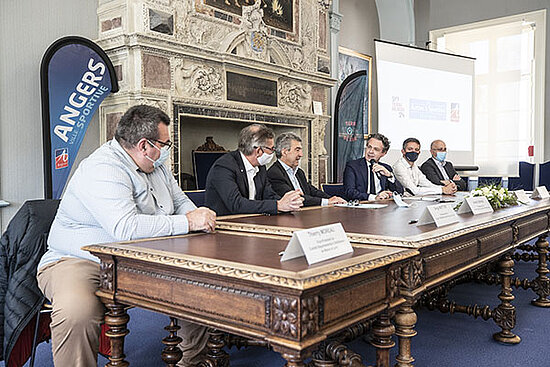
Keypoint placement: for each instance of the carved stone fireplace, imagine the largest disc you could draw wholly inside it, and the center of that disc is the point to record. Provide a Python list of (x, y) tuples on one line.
[(216, 66)]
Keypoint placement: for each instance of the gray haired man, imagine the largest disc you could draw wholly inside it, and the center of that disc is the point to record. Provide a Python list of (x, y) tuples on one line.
[(237, 182), (286, 175)]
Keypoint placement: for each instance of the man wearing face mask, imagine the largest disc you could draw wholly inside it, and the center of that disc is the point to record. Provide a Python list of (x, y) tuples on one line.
[(440, 171), (237, 182), (121, 192), (410, 176)]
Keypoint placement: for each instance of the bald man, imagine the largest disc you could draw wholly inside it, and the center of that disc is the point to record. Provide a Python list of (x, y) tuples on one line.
[(440, 171)]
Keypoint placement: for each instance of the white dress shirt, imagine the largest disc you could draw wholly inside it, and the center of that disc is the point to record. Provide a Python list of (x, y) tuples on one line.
[(109, 199), (250, 173), (413, 179), (291, 172)]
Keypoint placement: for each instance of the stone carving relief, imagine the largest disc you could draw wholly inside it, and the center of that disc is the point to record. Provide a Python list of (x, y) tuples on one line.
[(255, 30), (198, 81), (295, 96)]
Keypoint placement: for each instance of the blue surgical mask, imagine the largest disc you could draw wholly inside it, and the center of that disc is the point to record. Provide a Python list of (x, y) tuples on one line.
[(164, 154), (411, 156), (440, 156)]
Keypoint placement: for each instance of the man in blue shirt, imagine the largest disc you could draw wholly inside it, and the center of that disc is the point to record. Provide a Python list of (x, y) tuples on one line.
[(122, 191)]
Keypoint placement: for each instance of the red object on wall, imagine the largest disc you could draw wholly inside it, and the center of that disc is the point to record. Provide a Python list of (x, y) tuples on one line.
[(531, 150)]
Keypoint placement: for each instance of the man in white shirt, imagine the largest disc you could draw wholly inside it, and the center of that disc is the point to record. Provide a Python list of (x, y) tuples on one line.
[(122, 191), (286, 175), (410, 176)]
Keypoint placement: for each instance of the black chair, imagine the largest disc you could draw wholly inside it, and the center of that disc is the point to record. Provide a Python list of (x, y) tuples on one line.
[(202, 161), (334, 189), (196, 196), (525, 180), (489, 181), (544, 174)]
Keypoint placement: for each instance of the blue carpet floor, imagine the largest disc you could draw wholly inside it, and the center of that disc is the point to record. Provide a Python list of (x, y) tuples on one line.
[(442, 340)]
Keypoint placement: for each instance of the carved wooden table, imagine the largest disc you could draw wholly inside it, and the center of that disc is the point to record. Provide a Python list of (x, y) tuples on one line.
[(235, 282), (447, 254)]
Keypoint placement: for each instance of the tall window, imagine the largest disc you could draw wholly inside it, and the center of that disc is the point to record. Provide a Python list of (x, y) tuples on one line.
[(509, 103)]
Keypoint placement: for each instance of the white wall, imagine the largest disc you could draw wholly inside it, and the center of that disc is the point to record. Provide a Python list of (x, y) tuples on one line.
[(435, 14), (358, 30), (27, 28)]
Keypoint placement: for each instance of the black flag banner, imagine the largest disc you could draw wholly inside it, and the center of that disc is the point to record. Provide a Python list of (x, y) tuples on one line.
[(350, 115)]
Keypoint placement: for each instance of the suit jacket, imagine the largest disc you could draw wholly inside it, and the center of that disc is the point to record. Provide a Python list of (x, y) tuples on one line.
[(280, 181), (227, 188), (356, 180), (432, 173)]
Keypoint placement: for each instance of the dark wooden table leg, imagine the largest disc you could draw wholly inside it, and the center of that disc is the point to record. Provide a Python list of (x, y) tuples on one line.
[(293, 360), (383, 330), (171, 353), (505, 313), (216, 356), (541, 285), (117, 319), (405, 320)]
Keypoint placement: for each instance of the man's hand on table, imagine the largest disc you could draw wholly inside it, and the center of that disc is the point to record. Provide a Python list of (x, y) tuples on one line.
[(201, 219)]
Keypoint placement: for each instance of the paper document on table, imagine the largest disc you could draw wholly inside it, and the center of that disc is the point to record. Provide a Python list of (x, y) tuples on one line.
[(399, 201), (362, 206)]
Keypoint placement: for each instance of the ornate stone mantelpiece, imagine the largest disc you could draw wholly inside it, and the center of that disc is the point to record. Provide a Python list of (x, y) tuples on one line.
[(176, 54)]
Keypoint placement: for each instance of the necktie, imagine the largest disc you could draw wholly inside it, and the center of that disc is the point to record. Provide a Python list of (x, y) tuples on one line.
[(372, 185)]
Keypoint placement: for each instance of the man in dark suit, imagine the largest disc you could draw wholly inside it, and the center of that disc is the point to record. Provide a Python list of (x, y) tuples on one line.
[(440, 171), (285, 174), (237, 182), (369, 179)]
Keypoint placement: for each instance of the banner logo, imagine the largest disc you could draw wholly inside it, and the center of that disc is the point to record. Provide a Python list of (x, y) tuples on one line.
[(61, 158)]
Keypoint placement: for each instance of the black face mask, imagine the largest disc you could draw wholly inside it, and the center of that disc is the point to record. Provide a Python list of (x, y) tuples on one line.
[(411, 156)]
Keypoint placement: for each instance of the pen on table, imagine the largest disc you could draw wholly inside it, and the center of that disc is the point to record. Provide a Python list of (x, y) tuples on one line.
[(412, 221)]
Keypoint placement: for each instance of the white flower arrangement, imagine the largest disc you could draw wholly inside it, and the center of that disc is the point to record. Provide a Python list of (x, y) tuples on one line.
[(498, 197)]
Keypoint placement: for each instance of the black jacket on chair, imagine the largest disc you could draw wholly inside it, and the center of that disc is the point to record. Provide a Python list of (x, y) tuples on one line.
[(21, 248), (227, 188), (281, 184), (433, 174)]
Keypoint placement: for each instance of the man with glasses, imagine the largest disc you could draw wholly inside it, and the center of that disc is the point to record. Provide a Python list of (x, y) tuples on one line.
[(237, 182), (440, 171), (122, 191)]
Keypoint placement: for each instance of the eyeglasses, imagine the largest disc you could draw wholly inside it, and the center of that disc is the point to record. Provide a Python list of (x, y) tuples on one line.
[(163, 143), (271, 149)]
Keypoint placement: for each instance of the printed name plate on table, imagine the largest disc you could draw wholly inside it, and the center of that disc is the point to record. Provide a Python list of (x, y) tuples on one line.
[(540, 193), (476, 205), (362, 206), (441, 214), (522, 197), (318, 244)]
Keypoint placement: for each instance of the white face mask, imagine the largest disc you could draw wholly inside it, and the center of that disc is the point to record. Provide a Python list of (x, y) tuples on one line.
[(164, 154), (265, 158)]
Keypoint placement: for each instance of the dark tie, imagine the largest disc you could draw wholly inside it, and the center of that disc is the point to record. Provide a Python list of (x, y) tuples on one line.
[(372, 185)]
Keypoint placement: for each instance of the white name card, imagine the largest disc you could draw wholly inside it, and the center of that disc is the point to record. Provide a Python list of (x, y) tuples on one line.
[(476, 205), (441, 214), (399, 201), (318, 244), (540, 193), (522, 197)]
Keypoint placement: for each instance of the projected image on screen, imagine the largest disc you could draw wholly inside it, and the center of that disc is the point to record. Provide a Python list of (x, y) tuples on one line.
[(426, 95)]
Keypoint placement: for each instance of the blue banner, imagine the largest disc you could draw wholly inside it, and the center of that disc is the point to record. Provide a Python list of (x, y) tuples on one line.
[(76, 76)]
